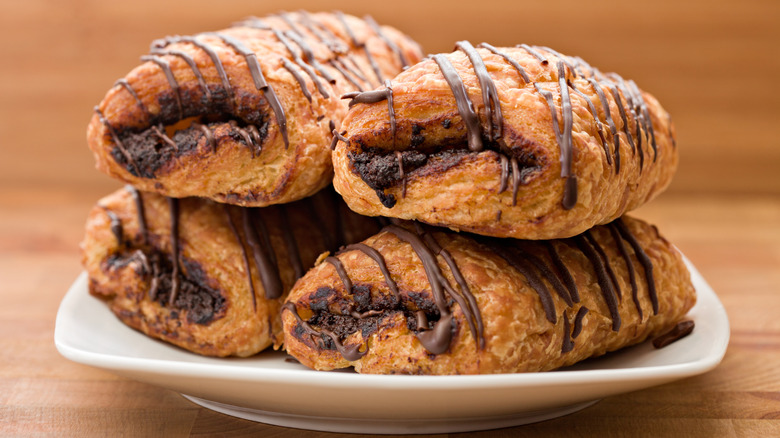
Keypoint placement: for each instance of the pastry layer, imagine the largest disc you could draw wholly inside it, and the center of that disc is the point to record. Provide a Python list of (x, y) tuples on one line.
[(208, 277), (518, 142), (419, 300), (243, 115)]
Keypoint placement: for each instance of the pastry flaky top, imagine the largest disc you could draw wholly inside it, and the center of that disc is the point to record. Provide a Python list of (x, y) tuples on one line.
[(243, 115), (519, 142), (422, 300), (208, 277)]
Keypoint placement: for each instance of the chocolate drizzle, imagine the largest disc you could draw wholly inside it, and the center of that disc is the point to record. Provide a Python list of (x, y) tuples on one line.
[(540, 263), (489, 91), (166, 68), (462, 101), (260, 83), (563, 71), (173, 206)]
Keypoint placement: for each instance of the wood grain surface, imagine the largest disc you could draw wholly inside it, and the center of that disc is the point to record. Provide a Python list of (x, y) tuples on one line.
[(713, 65)]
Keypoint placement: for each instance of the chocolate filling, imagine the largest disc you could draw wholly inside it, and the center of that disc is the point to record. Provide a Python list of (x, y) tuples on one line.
[(151, 149), (202, 303)]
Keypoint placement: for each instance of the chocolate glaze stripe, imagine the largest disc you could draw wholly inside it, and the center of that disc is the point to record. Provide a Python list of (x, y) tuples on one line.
[(116, 225), (378, 30), (117, 141), (339, 66), (567, 344), (308, 55), (621, 109), (400, 159), (549, 275), (159, 44), (561, 59), (629, 265), (354, 68), (465, 107), (301, 63), (160, 133), (469, 307), (260, 83), (488, 88), (436, 340), (126, 85), (244, 253), (642, 109), (210, 140), (507, 58), (139, 208), (563, 272), (345, 280), (335, 44), (603, 279), (301, 81), (633, 107), (504, 163), (599, 126), (570, 190), (373, 97), (285, 16), (611, 123), (173, 207), (191, 63), (356, 43), (511, 256), (534, 53), (581, 312), (166, 69), (605, 260), (265, 259), (380, 261), (515, 179), (644, 260)]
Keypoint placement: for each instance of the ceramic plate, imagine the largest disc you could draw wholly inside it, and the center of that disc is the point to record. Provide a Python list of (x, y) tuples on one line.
[(270, 389)]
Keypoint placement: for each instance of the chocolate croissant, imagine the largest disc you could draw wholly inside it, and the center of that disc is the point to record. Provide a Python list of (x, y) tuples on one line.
[(208, 277), (243, 115), (519, 142), (415, 299)]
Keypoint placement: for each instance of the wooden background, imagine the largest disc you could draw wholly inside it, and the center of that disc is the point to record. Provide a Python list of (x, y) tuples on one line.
[(714, 65)]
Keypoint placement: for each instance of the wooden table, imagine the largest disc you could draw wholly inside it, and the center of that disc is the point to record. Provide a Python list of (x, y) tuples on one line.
[(713, 66)]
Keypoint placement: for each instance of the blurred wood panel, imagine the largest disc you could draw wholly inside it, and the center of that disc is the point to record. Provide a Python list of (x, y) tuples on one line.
[(712, 64)]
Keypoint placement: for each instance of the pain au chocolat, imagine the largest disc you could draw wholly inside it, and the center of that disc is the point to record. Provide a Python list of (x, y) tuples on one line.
[(208, 277), (243, 115), (415, 299), (519, 142)]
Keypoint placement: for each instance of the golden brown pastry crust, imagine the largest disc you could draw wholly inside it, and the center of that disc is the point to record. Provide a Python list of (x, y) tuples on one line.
[(141, 132), (215, 312), (449, 181), (518, 331)]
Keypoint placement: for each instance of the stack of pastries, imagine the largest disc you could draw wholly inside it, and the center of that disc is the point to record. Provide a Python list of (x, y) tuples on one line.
[(482, 225), (224, 141)]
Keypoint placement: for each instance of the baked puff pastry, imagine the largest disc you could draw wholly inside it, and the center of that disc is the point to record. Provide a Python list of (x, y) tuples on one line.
[(243, 115), (208, 277), (418, 300), (519, 142)]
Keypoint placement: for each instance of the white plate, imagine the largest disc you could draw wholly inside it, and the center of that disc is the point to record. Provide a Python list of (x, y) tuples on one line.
[(272, 390)]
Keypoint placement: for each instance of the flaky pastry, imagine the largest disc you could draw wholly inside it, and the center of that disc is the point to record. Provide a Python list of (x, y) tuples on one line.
[(519, 142), (243, 115), (415, 299), (208, 277)]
